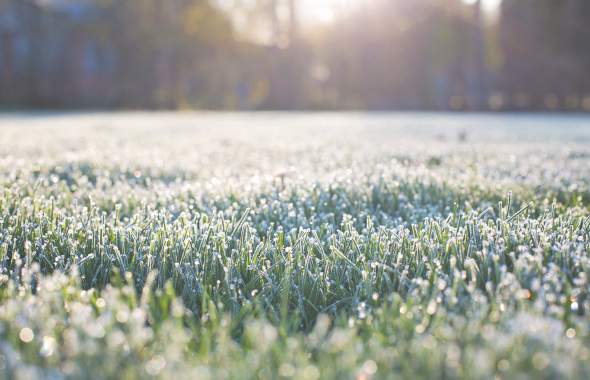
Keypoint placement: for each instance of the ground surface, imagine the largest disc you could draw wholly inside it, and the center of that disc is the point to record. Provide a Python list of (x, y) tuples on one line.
[(308, 246)]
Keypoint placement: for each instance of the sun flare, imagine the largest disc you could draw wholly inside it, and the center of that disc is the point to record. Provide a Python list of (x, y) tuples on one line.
[(326, 11)]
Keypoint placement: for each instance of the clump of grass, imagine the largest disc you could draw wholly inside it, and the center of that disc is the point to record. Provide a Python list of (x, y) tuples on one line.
[(378, 263)]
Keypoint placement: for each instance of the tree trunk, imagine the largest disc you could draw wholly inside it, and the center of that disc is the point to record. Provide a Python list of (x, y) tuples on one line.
[(480, 90)]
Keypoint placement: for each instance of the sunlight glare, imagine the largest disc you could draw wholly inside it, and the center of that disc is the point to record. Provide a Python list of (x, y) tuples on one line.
[(326, 11), (488, 6)]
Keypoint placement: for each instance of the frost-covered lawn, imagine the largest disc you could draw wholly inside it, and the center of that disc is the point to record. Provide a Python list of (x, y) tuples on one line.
[(303, 246)]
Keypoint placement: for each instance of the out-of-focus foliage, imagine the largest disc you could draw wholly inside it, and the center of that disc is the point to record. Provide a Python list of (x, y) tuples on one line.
[(261, 54), (549, 40), (128, 53), (163, 47), (400, 55)]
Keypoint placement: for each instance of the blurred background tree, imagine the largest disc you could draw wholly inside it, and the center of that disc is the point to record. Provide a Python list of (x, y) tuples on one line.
[(546, 44), (272, 54), (167, 52)]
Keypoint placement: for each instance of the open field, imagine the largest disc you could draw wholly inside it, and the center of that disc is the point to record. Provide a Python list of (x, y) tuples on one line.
[(303, 246)]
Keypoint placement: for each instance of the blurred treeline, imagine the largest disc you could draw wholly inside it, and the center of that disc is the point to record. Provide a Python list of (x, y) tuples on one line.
[(260, 54)]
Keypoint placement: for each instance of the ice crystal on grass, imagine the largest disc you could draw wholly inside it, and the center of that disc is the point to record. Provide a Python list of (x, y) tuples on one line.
[(148, 254)]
